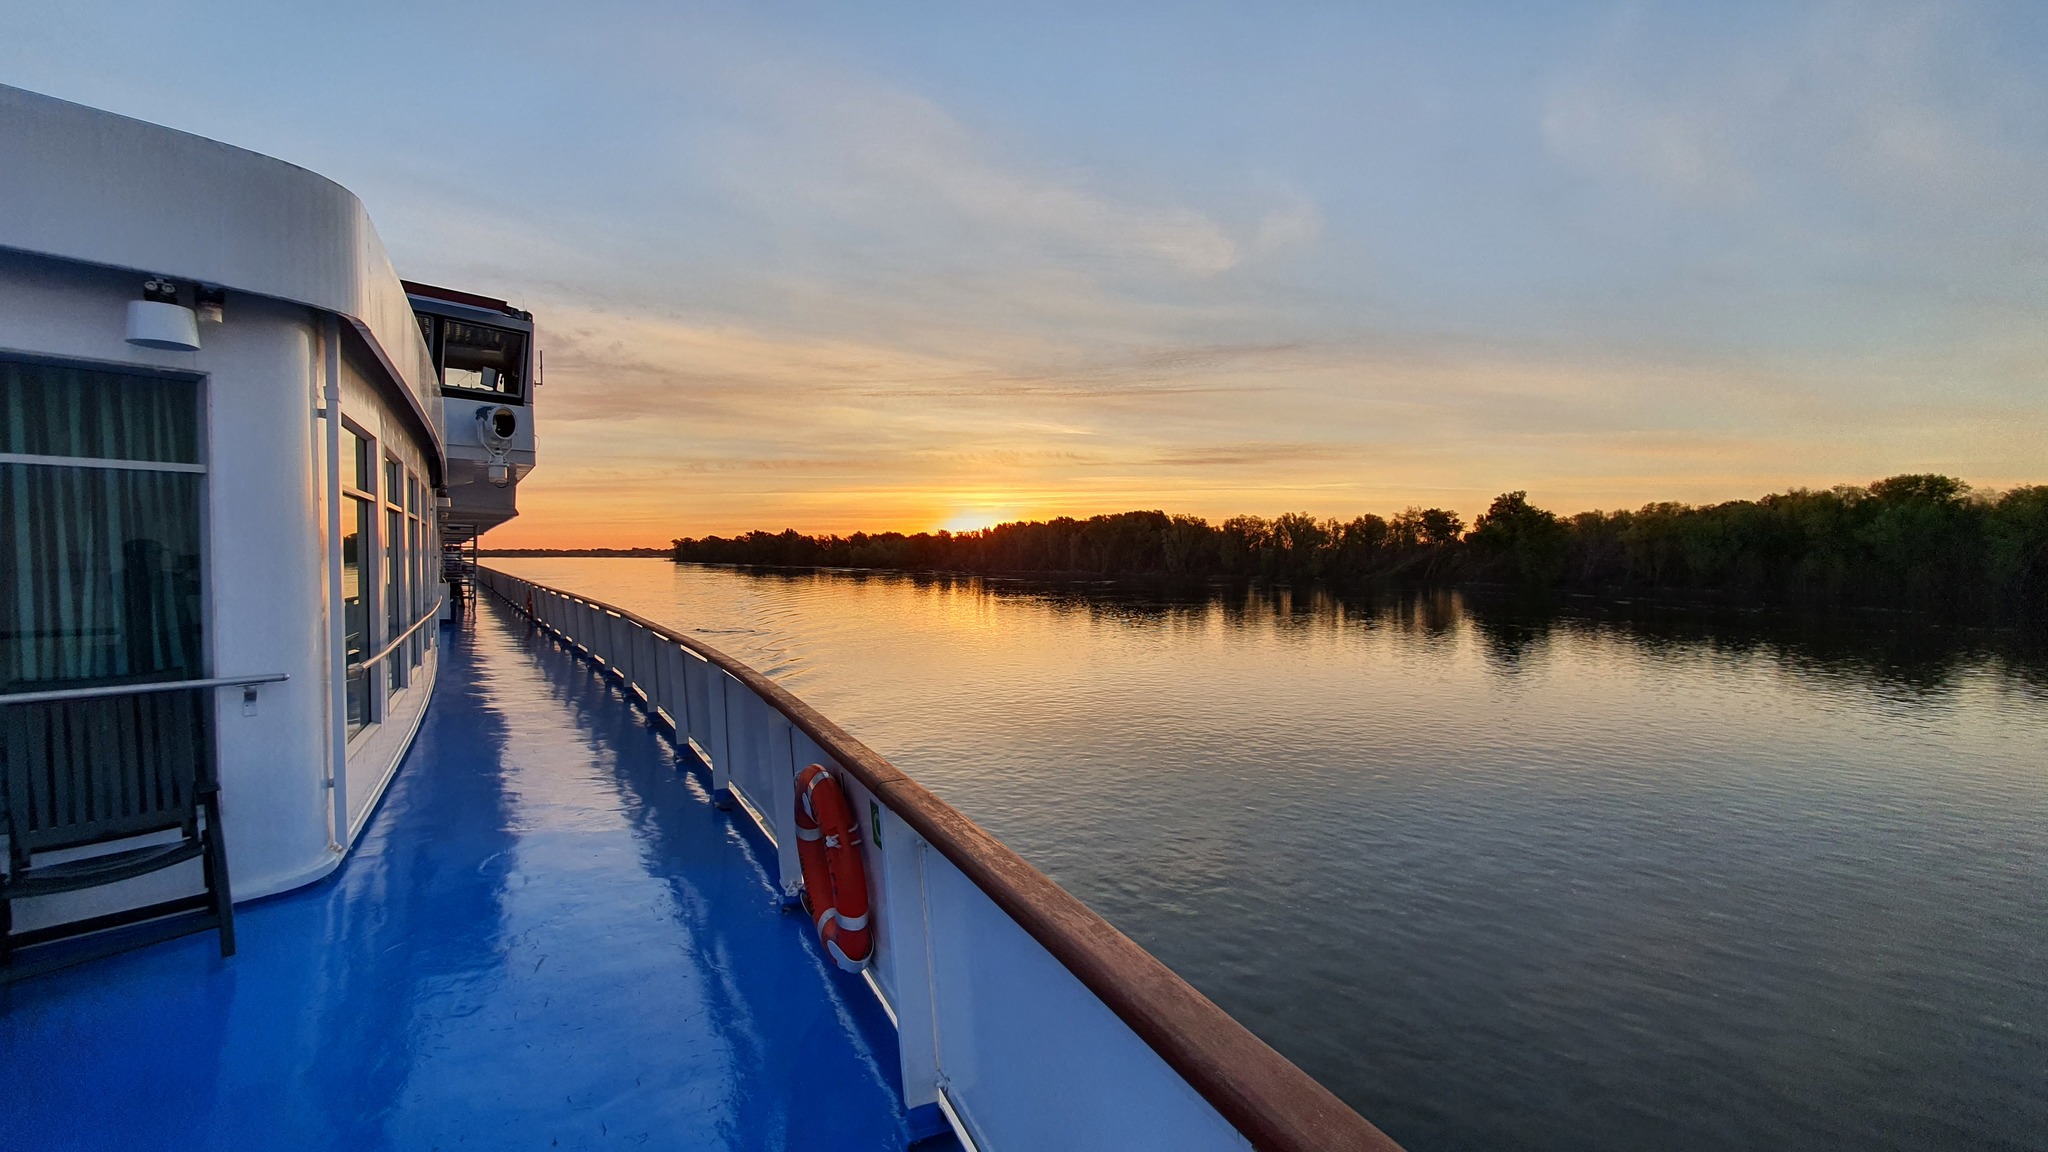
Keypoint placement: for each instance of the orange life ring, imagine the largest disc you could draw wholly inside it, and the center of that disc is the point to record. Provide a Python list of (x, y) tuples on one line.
[(835, 878)]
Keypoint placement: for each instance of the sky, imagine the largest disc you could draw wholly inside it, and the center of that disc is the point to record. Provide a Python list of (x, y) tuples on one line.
[(909, 266)]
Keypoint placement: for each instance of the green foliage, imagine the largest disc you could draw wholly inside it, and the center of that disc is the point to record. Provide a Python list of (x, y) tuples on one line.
[(1528, 539), (1918, 541)]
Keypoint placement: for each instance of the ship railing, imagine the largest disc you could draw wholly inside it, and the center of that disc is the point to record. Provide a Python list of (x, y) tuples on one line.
[(1023, 1018)]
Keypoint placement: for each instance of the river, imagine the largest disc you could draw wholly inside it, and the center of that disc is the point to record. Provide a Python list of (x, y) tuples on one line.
[(1604, 875)]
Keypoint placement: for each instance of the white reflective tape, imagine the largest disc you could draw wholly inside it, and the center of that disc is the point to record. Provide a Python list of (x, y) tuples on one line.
[(826, 917), (853, 924), (803, 833)]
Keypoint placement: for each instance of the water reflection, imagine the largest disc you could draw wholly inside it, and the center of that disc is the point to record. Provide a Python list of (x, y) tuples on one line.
[(1500, 873)]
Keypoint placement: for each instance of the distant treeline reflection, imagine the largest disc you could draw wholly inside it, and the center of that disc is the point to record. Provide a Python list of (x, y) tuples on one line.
[(1916, 541)]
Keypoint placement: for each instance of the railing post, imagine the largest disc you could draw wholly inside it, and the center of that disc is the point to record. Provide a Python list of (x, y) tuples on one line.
[(779, 751), (718, 726), (909, 959), (675, 696), (648, 659), (697, 699)]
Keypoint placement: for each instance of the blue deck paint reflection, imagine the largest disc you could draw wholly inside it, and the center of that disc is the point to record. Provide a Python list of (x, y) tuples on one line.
[(547, 937)]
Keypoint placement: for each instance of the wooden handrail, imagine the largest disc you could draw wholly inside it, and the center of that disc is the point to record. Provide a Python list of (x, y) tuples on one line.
[(1264, 1095)]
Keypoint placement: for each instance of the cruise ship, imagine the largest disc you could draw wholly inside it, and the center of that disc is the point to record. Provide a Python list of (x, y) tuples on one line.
[(321, 834)]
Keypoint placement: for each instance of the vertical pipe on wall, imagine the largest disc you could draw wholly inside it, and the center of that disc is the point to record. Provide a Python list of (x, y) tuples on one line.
[(337, 641)]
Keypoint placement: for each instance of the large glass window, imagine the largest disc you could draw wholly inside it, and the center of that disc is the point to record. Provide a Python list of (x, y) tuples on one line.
[(416, 572), (102, 583), (396, 617), (357, 507), (101, 487)]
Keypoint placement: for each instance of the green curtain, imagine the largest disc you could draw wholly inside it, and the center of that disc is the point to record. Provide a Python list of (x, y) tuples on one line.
[(99, 576), (53, 410)]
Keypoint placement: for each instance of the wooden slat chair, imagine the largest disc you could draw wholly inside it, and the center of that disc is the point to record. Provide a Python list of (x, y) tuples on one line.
[(81, 773)]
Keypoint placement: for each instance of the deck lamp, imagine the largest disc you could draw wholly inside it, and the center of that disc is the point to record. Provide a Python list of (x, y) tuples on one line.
[(159, 321)]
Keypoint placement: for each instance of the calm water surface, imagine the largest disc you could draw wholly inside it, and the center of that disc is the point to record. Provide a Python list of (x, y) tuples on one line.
[(1497, 878)]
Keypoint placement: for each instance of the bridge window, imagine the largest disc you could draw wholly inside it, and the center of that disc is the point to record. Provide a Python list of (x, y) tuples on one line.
[(479, 360)]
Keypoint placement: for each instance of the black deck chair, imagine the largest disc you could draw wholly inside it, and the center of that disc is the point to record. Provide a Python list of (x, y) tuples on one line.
[(80, 773)]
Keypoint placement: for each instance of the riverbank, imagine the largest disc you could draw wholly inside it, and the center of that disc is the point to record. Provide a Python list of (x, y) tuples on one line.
[(1921, 542)]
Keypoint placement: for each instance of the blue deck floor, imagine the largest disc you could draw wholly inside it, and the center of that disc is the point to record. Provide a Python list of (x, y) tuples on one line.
[(547, 938)]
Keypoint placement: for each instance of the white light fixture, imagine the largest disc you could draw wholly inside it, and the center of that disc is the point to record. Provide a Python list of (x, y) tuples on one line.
[(499, 474), (159, 321)]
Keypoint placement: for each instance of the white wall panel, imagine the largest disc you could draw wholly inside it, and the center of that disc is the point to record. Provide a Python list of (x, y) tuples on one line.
[(1029, 1056)]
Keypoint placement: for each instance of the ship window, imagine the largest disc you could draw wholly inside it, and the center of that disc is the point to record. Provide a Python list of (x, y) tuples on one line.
[(102, 559), (358, 520), (396, 614), (101, 491), (356, 469), (422, 583), (355, 610), (416, 577), (482, 360)]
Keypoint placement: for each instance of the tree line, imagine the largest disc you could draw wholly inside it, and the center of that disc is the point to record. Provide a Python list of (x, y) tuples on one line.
[(1920, 541)]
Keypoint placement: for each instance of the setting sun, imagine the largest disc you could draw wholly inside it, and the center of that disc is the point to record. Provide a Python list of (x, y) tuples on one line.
[(976, 519)]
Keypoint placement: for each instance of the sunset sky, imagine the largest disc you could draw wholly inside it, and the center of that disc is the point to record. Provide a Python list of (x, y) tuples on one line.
[(910, 266)]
